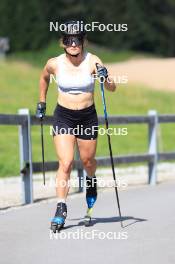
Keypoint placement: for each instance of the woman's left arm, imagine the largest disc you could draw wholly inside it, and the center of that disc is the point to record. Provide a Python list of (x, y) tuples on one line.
[(109, 81)]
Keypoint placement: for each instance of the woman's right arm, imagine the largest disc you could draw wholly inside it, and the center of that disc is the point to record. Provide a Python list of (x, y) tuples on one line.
[(50, 68)]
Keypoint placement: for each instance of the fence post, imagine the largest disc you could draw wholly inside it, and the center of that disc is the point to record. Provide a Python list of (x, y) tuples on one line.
[(25, 151), (152, 165), (80, 173)]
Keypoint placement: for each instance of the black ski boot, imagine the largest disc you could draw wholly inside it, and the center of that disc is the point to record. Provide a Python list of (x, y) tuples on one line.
[(58, 221)]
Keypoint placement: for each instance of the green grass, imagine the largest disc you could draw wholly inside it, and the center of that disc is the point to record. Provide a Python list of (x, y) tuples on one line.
[(19, 89)]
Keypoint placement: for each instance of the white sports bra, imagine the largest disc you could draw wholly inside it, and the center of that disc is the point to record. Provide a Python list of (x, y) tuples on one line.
[(74, 79)]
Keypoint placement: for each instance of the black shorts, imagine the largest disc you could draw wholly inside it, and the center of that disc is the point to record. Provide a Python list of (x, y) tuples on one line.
[(82, 123)]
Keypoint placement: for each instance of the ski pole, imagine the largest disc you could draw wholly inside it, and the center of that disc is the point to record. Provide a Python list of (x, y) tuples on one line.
[(98, 66), (42, 147)]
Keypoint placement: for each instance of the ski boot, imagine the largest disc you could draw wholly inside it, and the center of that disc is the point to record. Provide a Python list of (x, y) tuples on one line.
[(91, 197), (58, 221)]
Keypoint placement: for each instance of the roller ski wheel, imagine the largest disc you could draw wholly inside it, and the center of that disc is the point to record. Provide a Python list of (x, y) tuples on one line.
[(88, 217), (56, 227), (58, 221)]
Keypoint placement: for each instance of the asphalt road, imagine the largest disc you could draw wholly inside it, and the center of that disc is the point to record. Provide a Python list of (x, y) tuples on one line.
[(148, 236)]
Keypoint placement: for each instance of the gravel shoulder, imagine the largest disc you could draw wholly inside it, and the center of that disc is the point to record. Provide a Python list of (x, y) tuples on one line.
[(11, 188)]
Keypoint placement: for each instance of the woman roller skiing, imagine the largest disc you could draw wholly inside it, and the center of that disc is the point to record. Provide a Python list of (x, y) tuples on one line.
[(74, 70)]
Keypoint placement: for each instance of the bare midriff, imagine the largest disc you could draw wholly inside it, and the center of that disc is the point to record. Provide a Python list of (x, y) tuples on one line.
[(75, 101)]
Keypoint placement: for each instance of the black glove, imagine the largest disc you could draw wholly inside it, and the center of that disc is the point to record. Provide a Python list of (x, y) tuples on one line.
[(41, 110), (102, 72)]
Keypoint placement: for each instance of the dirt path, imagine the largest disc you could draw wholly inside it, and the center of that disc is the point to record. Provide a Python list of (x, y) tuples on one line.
[(155, 73)]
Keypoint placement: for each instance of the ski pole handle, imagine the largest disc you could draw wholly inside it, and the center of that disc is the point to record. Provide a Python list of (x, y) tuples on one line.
[(99, 67)]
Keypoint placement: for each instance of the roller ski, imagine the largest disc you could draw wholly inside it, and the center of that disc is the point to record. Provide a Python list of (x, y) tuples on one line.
[(58, 221), (91, 197)]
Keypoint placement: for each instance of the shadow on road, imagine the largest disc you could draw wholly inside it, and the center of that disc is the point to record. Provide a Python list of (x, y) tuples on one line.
[(104, 220)]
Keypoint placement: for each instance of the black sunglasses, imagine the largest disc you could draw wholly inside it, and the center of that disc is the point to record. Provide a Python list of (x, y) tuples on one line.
[(69, 40)]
